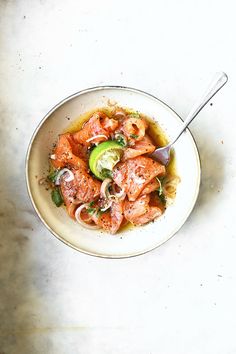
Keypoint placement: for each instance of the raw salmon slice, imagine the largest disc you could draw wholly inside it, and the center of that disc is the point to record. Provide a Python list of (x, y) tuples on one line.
[(111, 220), (109, 124), (66, 153), (134, 174), (132, 210), (134, 128), (82, 189), (150, 187), (141, 147), (153, 213), (98, 125), (140, 212)]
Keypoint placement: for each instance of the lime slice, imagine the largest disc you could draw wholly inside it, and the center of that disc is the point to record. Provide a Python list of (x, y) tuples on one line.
[(104, 157)]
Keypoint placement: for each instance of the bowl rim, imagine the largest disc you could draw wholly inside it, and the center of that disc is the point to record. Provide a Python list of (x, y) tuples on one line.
[(53, 109)]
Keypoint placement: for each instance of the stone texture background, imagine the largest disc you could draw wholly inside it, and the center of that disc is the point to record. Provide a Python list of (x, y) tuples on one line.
[(177, 299)]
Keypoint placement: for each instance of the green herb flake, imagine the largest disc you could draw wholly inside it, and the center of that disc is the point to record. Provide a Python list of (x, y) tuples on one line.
[(90, 208), (160, 189), (91, 211), (134, 115), (134, 136), (96, 211), (101, 212), (53, 176), (120, 140), (162, 198), (106, 173), (57, 197)]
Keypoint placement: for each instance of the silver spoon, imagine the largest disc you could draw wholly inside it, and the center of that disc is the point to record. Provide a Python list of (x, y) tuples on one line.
[(163, 154)]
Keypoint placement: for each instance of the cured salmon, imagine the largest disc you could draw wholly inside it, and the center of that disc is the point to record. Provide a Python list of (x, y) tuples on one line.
[(133, 210), (140, 212), (151, 214), (109, 124), (96, 130), (82, 189), (134, 128), (66, 153), (153, 185), (110, 220), (134, 174), (144, 146)]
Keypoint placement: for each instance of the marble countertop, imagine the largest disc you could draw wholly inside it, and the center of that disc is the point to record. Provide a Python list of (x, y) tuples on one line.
[(179, 298)]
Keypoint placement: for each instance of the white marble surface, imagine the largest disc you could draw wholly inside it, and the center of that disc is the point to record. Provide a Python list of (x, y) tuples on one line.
[(179, 298)]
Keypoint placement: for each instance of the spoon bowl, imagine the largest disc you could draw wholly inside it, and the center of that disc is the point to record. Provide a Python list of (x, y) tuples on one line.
[(162, 155)]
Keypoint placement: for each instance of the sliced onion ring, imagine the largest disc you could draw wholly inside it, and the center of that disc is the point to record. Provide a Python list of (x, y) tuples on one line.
[(67, 179), (71, 209), (76, 201), (104, 188), (119, 194), (120, 114), (80, 221), (107, 206), (96, 136), (105, 194)]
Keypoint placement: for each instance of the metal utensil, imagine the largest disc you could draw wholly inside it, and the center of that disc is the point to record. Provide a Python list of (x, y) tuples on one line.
[(163, 154)]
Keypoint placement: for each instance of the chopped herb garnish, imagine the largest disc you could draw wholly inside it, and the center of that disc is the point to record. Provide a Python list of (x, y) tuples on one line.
[(120, 139), (160, 193), (134, 115), (53, 176), (57, 197), (134, 136), (100, 212), (106, 173), (162, 198), (91, 211), (160, 189), (90, 208)]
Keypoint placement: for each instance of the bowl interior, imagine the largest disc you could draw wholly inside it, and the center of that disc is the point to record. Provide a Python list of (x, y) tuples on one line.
[(132, 241)]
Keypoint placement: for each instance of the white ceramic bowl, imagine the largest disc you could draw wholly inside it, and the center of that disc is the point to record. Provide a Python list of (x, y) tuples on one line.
[(133, 241)]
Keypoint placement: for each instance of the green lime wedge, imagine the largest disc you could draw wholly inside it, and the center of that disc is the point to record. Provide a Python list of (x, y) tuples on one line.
[(104, 157)]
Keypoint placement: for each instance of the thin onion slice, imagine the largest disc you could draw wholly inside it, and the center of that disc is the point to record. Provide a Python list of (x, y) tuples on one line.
[(96, 136), (120, 114), (76, 201), (53, 157), (119, 194), (71, 209), (104, 188), (107, 206), (105, 194), (80, 221), (67, 179), (169, 186), (160, 189)]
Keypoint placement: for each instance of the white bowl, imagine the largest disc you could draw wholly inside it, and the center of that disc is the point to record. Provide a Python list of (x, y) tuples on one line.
[(130, 242)]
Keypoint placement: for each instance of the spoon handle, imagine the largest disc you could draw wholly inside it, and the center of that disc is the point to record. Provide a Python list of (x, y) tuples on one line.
[(218, 82)]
